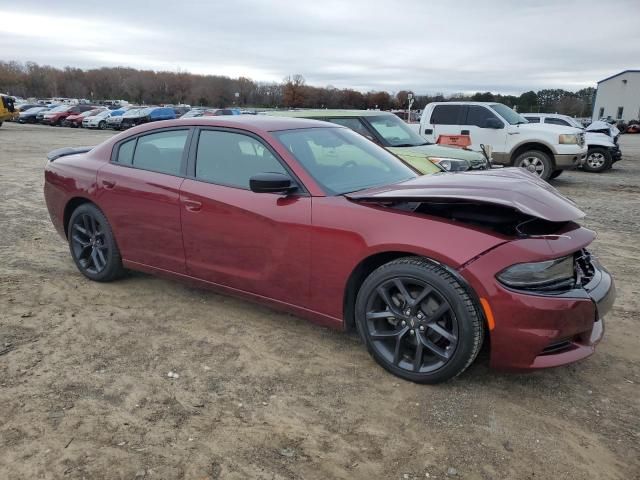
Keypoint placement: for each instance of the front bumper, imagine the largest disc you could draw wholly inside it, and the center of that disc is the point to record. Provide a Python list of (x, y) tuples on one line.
[(569, 161), (616, 154), (534, 331)]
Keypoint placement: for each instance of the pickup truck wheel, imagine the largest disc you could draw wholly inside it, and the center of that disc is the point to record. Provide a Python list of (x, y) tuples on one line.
[(417, 321), (536, 162), (556, 173), (598, 160)]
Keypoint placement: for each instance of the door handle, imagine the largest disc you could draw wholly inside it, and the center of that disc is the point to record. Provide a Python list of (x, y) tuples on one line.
[(108, 184), (428, 131), (464, 132), (192, 205)]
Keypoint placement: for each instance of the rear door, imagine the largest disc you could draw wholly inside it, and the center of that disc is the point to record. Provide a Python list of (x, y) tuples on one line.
[(444, 120), (254, 242), (139, 191)]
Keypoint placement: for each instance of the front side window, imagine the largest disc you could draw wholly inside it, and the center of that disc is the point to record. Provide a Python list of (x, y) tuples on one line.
[(231, 159), (556, 121), (160, 152), (446, 115), (478, 116), (341, 160), (353, 123)]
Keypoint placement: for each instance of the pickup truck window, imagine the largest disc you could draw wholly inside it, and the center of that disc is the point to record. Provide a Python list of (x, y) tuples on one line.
[(478, 116), (508, 114), (533, 119), (446, 115)]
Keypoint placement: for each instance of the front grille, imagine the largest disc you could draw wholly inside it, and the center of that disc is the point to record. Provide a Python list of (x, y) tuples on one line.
[(557, 347), (585, 269)]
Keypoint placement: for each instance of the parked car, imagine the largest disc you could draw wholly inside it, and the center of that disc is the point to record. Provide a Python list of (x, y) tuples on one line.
[(316, 220), (389, 131), (209, 112), (602, 148), (7, 108), (100, 120), (56, 116), (115, 121), (145, 115), (545, 150), (77, 119), (23, 107), (635, 128), (29, 116)]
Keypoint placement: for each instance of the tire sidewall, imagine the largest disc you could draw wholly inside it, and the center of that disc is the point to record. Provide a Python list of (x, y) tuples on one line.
[(607, 160), (543, 157), (465, 348), (114, 264)]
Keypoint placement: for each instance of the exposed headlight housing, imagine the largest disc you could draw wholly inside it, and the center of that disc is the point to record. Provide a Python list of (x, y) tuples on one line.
[(451, 164), (548, 275), (568, 139)]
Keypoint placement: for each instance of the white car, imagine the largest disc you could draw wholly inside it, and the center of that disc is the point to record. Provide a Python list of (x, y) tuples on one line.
[(601, 138), (544, 150)]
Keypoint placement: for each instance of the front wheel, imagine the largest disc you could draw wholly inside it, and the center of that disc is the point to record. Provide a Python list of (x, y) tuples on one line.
[(536, 162), (102, 125), (417, 321), (598, 160), (92, 244)]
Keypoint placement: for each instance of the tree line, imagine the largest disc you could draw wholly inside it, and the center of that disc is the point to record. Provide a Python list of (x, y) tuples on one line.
[(150, 87)]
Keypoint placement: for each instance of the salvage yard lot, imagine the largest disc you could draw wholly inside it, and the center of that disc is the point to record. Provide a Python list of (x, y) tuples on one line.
[(260, 394)]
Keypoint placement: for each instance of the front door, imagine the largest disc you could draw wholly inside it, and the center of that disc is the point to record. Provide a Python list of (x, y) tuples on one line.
[(479, 123), (139, 191), (254, 242)]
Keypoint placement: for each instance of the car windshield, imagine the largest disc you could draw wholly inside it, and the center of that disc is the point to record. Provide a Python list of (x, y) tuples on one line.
[(103, 114), (574, 123), (395, 132), (61, 108), (90, 113), (508, 114), (146, 111), (133, 113), (343, 161), (193, 113)]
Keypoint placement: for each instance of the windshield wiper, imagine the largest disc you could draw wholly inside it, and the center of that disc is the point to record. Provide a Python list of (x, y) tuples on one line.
[(410, 144)]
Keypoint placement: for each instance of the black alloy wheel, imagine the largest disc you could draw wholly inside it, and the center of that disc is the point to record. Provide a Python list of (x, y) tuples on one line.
[(93, 245), (418, 321)]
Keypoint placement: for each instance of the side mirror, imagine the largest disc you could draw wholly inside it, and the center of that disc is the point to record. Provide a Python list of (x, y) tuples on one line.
[(271, 183), (493, 123)]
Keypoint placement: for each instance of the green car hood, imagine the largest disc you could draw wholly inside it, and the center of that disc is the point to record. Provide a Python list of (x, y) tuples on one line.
[(416, 156)]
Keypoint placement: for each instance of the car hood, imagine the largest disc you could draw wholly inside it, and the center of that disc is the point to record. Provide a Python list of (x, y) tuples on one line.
[(433, 150), (559, 129), (599, 139), (509, 187)]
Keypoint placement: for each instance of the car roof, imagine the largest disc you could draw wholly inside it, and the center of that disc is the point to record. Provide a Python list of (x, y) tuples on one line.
[(324, 113), (464, 103), (264, 123)]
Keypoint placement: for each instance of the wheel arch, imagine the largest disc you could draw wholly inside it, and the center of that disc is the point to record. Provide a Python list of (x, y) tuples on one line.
[(533, 146), (70, 207)]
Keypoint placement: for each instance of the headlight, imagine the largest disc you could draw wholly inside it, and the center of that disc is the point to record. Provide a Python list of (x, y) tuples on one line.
[(551, 274), (568, 138), (451, 164)]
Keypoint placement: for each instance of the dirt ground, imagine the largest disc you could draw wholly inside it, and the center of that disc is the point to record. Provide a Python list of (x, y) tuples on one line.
[(84, 391)]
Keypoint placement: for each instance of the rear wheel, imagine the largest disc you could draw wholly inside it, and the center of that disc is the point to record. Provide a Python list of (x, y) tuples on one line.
[(417, 321), (598, 160), (536, 162), (92, 244)]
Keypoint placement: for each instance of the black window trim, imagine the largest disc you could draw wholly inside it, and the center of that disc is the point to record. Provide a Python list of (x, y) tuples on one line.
[(190, 173), (185, 152)]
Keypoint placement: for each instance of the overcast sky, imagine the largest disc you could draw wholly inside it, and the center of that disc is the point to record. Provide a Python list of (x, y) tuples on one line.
[(427, 46)]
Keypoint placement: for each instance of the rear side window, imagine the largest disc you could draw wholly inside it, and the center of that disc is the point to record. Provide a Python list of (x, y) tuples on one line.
[(478, 116), (446, 115), (161, 152), (231, 159), (533, 119), (125, 152)]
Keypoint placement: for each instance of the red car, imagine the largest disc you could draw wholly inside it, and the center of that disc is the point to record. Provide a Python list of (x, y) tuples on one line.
[(314, 219), (75, 120), (56, 116), (635, 128)]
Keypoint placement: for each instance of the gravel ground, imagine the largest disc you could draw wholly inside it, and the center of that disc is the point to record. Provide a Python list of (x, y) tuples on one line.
[(260, 394)]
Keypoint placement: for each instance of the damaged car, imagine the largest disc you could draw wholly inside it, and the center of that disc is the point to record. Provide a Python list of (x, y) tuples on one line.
[(316, 220)]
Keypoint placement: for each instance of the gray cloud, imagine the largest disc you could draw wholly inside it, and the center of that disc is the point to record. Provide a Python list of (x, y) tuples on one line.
[(434, 46)]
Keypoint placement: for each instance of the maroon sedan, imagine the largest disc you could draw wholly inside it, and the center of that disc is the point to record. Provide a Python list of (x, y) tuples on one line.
[(315, 219)]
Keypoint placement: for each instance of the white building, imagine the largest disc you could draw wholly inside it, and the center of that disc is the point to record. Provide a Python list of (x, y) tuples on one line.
[(618, 97)]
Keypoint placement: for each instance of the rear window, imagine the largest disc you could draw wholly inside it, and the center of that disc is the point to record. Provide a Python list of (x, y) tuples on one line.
[(446, 115)]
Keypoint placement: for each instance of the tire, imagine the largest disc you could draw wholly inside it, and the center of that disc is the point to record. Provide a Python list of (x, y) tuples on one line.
[(536, 162), (432, 337), (598, 160), (92, 244), (102, 125), (556, 174)]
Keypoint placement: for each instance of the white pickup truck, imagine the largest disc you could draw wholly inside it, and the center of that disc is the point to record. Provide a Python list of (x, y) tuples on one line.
[(542, 149)]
